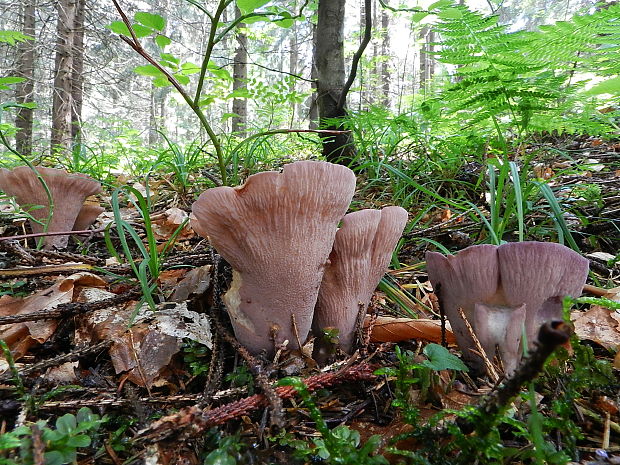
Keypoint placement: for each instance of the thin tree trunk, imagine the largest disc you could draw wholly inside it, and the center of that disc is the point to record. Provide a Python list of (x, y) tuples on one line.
[(157, 103), (77, 75), (329, 62), (430, 58), (24, 91), (423, 73), (313, 107), (385, 58), (362, 75), (62, 100), (240, 77), (292, 65)]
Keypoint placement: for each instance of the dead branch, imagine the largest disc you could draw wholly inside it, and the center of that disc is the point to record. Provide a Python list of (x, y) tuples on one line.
[(71, 309), (192, 421)]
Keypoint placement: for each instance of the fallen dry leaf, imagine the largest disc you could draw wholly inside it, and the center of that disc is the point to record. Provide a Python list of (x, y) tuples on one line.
[(195, 283), (598, 324), (390, 329), (21, 336), (143, 351), (166, 223), (169, 279)]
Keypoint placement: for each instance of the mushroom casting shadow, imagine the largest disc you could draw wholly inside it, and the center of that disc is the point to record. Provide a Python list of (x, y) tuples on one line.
[(68, 191), (503, 290), (276, 231), (360, 256)]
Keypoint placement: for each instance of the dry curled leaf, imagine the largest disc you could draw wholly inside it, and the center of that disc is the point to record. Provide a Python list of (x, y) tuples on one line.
[(166, 223), (598, 324), (21, 336), (390, 329), (195, 283), (144, 351)]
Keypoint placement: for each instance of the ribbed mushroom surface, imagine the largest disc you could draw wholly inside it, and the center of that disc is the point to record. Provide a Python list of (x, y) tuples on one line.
[(359, 259), (68, 192), (503, 289), (276, 231)]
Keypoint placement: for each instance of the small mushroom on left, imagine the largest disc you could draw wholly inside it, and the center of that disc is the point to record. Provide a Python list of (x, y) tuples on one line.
[(68, 192)]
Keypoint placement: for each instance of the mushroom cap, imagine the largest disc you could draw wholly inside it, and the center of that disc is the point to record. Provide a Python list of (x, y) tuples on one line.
[(87, 216), (359, 258), (541, 274), (68, 194), (276, 231), (502, 288), (462, 280)]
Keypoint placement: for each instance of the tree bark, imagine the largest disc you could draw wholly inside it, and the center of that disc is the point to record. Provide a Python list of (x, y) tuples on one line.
[(362, 78), (313, 106), (62, 99), (385, 58), (240, 77), (427, 60), (329, 62), (423, 76), (24, 91), (77, 74), (292, 65)]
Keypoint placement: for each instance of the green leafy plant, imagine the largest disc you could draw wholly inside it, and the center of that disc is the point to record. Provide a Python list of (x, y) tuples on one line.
[(521, 82), (226, 450), (61, 443), (13, 288), (182, 161), (196, 356), (241, 376), (146, 269), (167, 69), (409, 372), (338, 446)]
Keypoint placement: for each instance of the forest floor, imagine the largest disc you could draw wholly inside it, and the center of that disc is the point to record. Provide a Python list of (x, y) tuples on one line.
[(175, 387)]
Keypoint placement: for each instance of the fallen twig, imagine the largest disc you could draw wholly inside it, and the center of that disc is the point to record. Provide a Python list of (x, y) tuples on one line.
[(551, 335), (70, 309), (192, 421), (57, 233), (55, 361)]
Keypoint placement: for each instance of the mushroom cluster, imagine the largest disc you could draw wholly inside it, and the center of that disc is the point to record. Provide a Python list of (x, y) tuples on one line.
[(68, 192), (279, 232), (504, 291)]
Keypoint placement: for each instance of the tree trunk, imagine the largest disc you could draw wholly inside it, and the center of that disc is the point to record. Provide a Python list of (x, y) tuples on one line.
[(62, 100), (423, 73), (240, 77), (329, 62), (385, 58), (362, 77), (77, 75), (430, 58), (313, 106), (292, 66), (24, 91)]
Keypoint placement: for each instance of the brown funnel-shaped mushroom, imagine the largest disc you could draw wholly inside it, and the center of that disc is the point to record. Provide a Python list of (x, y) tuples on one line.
[(87, 216), (359, 259), (276, 231), (68, 194), (503, 290), (541, 274), (462, 280)]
